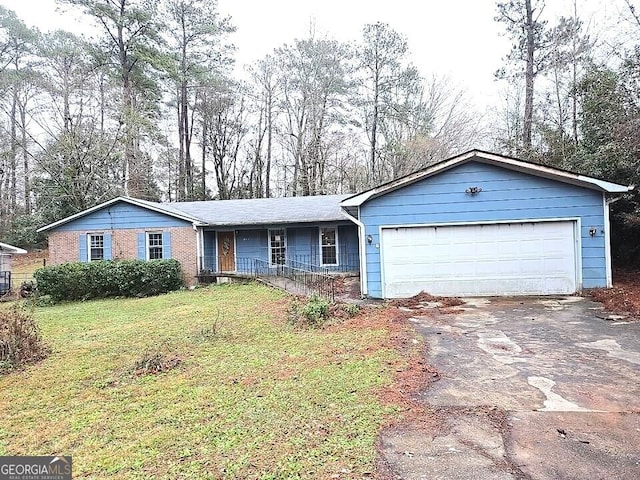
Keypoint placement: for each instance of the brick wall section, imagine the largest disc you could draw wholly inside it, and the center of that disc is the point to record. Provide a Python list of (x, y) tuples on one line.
[(64, 247)]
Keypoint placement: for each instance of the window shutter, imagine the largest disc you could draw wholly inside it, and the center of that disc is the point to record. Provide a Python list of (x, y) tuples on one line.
[(82, 254), (166, 244), (142, 246), (107, 246)]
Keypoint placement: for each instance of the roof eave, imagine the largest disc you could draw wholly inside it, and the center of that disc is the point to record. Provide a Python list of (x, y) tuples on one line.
[(343, 218), (11, 249)]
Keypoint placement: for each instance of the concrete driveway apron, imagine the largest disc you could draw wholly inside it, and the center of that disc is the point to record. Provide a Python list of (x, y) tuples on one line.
[(540, 388)]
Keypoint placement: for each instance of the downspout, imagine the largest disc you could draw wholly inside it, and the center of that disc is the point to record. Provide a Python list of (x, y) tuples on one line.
[(198, 247), (362, 253)]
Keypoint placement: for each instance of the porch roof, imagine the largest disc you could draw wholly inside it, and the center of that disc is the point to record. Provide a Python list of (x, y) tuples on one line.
[(5, 248), (263, 211)]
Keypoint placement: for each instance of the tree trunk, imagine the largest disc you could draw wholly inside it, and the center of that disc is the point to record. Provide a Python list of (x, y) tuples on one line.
[(267, 179), (205, 129), (25, 160), (374, 124), (529, 76), (132, 175), (14, 155), (574, 72)]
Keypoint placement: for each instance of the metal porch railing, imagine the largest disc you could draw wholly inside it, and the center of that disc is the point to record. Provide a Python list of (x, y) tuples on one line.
[(5, 282), (294, 276)]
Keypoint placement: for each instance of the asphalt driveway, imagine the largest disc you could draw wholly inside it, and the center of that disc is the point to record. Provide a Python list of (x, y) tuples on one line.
[(536, 388)]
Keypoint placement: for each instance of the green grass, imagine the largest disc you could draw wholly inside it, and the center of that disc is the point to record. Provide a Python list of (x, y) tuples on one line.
[(259, 399)]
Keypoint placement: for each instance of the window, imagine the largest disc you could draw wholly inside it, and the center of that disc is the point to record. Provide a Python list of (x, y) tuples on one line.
[(96, 246), (329, 245), (154, 246), (277, 246)]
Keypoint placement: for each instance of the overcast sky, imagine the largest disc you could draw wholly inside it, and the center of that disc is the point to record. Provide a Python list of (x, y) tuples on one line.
[(456, 38)]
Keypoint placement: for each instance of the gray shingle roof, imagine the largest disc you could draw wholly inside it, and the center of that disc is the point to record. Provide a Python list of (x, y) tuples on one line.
[(262, 211)]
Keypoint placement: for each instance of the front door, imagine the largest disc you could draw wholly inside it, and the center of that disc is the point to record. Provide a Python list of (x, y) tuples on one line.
[(226, 251)]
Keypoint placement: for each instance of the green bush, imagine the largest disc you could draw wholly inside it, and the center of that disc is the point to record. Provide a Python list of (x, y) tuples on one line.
[(108, 278), (315, 311)]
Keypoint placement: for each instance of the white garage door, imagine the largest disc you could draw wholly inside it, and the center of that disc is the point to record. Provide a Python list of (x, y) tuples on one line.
[(483, 260)]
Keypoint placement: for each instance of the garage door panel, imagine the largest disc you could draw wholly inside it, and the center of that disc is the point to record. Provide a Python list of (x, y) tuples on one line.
[(499, 259)]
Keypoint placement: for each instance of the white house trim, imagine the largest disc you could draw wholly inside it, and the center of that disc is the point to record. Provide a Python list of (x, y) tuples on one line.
[(146, 242), (493, 159), (322, 263), (362, 254), (286, 244), (11, 249), (607, 238)]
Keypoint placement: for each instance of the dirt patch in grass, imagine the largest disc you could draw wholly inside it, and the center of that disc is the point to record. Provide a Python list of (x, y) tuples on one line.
[(624, 297), (424, 298), (155, 362)]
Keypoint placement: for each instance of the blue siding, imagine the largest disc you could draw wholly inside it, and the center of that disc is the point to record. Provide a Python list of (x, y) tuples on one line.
[(107, 247), (83, 255), (252, 244), (506, 195), (166, 245), (142, 246), (122, 215)]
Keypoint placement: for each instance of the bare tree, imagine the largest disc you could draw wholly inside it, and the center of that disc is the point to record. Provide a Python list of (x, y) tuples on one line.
[(522, 20), (381, 57), (130, 30), (196, 34)]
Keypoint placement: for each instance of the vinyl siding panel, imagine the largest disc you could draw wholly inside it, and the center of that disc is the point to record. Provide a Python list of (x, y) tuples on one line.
[(252, 244), (122, 216), (506, 195)]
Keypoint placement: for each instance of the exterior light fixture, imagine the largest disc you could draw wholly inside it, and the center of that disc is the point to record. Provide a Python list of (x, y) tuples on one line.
[(473, 190), (369, 239), (592, 232)]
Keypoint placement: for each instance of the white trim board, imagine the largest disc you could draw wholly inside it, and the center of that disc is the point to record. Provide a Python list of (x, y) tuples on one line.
[(10, 249), (322, 264), (362, 252)]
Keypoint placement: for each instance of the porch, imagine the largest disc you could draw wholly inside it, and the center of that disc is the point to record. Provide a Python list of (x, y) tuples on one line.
[(262, 251), (301, 259)]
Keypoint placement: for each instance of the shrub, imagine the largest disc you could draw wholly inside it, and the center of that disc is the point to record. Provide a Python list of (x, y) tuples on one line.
[(350, 309), (154, 362), (107, 278), (211, 331), (20, 340), (314, 312)]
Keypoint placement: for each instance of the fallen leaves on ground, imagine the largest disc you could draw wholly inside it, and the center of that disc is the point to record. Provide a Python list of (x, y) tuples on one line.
[(624, 297)]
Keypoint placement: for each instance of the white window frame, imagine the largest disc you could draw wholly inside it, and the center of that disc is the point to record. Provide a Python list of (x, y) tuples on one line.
[(147, 246), (286, 245), (96, 234), (322, 262)]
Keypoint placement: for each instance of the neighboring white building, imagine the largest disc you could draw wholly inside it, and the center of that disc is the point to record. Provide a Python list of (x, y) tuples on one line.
[(6, 252)]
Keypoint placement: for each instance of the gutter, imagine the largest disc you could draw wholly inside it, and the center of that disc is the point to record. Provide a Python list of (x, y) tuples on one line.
[(363, 253)]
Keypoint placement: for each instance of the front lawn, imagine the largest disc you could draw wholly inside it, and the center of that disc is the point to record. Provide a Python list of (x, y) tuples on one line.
[(252, 397)]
